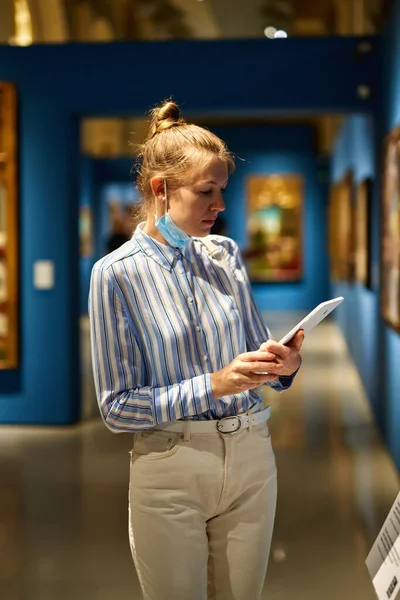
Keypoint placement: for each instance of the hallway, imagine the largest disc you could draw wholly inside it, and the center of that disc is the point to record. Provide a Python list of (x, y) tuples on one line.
[(63, 494)]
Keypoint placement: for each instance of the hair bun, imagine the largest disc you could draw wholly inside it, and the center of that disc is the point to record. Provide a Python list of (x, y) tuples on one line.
[(164, 117)]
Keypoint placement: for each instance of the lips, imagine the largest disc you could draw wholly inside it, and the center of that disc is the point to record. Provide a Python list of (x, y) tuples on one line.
[(209, 222)]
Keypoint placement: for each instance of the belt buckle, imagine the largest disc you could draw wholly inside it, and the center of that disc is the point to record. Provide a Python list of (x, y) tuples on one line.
[(220, 424)]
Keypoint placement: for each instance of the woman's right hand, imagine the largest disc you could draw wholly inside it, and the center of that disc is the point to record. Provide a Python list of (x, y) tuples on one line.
[(240, 375)]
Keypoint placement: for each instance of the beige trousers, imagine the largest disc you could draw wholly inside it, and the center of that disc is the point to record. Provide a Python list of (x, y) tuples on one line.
[(201, 513)]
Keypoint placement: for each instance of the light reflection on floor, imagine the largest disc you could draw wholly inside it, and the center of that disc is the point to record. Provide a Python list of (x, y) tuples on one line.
[(63, 494)]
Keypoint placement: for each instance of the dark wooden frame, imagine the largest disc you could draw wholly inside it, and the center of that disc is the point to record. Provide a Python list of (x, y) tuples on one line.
[(363, 232), (341, 230), (9, 253), (390, 244)]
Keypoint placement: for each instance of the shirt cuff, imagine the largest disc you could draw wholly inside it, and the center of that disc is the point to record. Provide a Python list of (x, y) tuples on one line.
[(285, 381)]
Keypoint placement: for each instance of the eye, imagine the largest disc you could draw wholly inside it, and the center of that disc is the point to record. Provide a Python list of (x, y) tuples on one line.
[(223, 190), (206, 192)]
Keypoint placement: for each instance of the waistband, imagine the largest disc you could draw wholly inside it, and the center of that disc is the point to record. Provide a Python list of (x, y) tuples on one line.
[(229, 424)]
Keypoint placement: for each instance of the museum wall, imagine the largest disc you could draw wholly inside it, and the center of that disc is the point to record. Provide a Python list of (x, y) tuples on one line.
[(262, 150), (59, 85), (373, 340)]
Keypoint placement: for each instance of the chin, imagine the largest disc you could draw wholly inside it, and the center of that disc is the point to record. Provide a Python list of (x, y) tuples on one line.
[(206, 227)]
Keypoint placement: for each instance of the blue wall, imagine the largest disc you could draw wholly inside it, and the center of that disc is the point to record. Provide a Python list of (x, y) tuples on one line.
[(373, 344), (289, 150), (57, 85), (262, 149), (86, 199), (359, 315)]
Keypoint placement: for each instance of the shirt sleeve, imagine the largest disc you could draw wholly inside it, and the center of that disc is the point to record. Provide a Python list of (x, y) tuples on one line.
[(119, 369), (256, 331)]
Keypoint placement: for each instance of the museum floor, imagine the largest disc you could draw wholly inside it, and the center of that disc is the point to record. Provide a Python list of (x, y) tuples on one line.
[(63, 492)]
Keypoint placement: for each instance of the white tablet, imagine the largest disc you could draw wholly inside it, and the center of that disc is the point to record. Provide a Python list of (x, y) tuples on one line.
[(313, 318), (310, 321)]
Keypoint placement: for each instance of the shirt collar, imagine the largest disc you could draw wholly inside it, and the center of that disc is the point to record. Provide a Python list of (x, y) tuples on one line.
[(164, 255)]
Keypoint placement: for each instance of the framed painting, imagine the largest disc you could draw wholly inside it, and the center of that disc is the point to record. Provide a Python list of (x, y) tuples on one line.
[(342, 239), (363, 233), (9, 318), (275, 226), (85, 231), (333, 237), (390, 251), (345, 227)]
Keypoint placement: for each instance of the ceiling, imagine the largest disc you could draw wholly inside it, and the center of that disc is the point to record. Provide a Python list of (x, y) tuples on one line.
[(108, 20), (215, 19), (58, 21)]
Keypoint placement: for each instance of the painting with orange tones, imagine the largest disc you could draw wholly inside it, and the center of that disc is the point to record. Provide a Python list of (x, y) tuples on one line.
[(274, 227), (85, 231), (390, 253), (362, 230), (342, 235), (9, 309)]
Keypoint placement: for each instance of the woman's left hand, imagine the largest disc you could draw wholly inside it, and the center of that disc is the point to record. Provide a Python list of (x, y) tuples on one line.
[(288, 354)]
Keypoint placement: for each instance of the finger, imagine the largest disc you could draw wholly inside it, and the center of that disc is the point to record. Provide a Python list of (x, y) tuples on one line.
[(262, 367), (297, 341), (275, 348), (264, 346), (269, 356), (259, 355), (257, 380), (261, 379)]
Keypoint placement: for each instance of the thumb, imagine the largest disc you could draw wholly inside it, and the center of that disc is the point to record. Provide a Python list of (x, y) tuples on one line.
[(297, 340)]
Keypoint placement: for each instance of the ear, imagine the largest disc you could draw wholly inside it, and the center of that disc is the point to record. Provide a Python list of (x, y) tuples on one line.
[(157, 186)]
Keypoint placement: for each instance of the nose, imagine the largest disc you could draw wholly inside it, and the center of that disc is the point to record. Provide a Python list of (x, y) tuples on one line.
[(219, 204)]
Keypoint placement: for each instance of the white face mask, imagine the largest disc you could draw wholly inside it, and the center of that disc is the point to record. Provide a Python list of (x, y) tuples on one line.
[(174, 235)]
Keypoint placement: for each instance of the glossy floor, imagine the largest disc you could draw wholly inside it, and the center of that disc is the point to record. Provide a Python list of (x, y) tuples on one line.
[(63, 493)]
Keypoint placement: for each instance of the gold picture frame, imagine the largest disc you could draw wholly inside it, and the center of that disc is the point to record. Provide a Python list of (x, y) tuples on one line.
[(333, 235), (362, 231), (390, 229), (275, 227), (341, 230), (9, 317)]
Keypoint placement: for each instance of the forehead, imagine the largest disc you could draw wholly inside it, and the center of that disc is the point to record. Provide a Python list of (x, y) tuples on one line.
[(216, 171)]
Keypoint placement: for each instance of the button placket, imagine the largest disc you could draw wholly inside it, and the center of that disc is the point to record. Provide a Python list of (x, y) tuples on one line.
[(203, 352)]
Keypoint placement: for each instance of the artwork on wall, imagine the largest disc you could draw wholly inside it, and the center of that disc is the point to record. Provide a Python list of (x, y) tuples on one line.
[(8, 228), (85, 231), (121, 214), (275, 225), (341, 230), (390, 252), (333, 236), (362, 231)]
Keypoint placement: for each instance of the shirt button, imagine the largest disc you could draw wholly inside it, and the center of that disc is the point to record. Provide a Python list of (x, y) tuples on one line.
[(198, 328), (190, 300), (205, 358)]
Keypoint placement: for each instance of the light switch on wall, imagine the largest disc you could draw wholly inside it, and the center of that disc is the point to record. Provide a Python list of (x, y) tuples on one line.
[(43, 274)]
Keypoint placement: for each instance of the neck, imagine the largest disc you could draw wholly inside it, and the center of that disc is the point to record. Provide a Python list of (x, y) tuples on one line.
[(150, 229)]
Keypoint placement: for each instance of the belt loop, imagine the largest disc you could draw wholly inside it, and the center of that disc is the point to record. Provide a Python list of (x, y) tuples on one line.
[(186, 431), (250, 417)]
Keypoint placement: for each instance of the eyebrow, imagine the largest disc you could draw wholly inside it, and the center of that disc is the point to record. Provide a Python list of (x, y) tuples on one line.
[(215, 183)]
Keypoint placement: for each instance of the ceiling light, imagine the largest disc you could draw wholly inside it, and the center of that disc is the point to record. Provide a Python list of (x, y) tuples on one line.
[(270, 32), (280, 34)]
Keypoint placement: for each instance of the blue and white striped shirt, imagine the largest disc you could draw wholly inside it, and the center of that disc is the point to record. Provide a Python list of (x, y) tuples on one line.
[(161, 322)]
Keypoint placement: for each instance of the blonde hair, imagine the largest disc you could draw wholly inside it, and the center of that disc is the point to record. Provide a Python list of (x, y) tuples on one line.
[(176, 151)]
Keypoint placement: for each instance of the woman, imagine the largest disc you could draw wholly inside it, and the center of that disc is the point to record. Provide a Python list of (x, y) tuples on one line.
[(177, 343)]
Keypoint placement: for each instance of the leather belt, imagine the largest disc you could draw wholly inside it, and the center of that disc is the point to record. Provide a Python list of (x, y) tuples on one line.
[(225, 425)]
